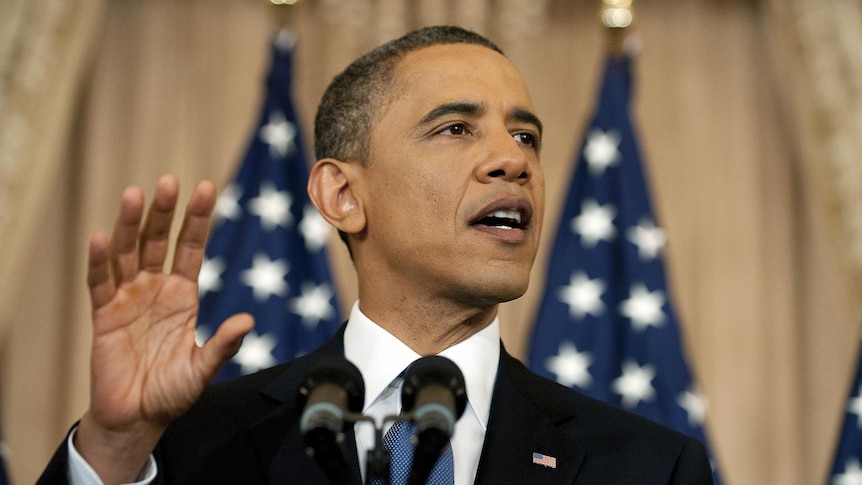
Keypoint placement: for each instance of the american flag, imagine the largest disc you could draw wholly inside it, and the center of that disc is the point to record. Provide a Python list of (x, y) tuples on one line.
[(606, 325), (544, 460), (266, 255), (847, 468)]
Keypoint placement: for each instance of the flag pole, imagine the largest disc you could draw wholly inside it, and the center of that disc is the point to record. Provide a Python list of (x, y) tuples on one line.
[(617, 16)]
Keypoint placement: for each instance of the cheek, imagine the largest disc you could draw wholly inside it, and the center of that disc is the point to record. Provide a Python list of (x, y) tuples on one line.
[(429, 184), (539, 194), (405, 206), (421, 188)]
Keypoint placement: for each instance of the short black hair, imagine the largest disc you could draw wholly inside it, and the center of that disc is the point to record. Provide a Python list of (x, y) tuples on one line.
[(350, 103)]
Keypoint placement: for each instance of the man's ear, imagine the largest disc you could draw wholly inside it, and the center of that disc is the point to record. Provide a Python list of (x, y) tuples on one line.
[(333, 189)]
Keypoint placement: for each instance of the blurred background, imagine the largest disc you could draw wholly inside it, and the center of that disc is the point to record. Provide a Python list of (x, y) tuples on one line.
[(750, 121)]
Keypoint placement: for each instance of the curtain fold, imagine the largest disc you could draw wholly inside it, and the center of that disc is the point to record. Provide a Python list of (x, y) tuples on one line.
[(817, 49), (43, 55), (45, 49)]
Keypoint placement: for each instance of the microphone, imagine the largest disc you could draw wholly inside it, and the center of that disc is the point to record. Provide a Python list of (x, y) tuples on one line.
[(332, 389), (435, 395)]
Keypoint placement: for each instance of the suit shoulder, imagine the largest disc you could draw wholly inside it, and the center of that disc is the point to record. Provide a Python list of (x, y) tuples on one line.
[(562, 403), (619, 446)]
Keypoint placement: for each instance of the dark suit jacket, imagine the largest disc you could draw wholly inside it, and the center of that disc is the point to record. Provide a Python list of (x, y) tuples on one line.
[(246, 431)]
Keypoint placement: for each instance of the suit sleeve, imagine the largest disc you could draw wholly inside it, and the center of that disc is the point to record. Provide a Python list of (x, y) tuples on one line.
[(57, 470), (68, 467)]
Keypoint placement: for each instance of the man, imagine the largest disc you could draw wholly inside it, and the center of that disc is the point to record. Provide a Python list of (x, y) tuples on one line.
[(428, 166)]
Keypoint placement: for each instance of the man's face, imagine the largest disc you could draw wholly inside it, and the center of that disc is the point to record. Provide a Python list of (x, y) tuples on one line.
[(453, 189)]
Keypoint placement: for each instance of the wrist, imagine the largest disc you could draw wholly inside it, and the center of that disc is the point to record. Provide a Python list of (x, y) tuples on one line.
[(117, 455)]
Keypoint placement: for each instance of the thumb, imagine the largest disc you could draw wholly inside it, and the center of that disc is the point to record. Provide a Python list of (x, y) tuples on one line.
[(224, 344)]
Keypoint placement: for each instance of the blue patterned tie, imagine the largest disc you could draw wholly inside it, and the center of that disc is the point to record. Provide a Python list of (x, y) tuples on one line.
[(399, 441)]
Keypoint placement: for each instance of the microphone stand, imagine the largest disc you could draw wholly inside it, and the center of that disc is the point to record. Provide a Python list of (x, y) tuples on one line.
[(378, 460)]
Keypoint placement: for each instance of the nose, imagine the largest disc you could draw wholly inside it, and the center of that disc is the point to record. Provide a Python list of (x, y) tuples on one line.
[(507, 160)]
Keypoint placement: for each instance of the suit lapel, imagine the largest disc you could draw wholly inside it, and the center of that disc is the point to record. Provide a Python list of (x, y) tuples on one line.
[(523, 422)]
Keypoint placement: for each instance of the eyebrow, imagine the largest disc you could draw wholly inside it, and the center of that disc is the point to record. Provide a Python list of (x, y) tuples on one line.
[(469, 109), (459, 108), (525, 116)]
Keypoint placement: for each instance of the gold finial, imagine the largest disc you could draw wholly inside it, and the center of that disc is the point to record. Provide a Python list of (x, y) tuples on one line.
[(617, 14)]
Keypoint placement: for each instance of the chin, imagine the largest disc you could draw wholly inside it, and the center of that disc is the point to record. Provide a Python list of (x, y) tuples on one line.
[(513, 294), (494, 292)]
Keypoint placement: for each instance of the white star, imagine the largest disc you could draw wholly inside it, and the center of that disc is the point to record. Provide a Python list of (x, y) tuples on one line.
[(313, 305), (278, 133), (595, 223), (635, 384), (314, 228), (601, 150), (855, 407), (852, 474), (648, 237), (272, 206), (695, 405), (266, 277), (255, 353), (644, 307), (227, 204), (583, 295), (209, 278), (571, 366)]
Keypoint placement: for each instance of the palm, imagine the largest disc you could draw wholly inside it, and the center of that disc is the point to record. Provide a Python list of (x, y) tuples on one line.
[(146, 366)]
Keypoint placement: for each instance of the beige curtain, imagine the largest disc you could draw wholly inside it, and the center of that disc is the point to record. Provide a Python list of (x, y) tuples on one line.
[(45, 47), (749, 116)]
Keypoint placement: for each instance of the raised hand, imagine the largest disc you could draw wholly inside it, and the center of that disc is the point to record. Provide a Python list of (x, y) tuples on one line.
[(146, 369)]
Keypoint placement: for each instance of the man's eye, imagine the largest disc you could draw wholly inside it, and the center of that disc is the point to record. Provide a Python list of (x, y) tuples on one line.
[(456, 129), (528, 139)]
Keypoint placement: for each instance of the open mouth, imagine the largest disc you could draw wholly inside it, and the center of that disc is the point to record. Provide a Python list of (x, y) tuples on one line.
[(503, 219)]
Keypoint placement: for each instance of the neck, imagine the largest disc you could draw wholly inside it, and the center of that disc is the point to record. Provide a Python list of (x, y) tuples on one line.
[(425, 327)]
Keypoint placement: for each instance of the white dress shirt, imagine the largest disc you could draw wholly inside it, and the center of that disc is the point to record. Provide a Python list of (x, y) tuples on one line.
[(380, 358)]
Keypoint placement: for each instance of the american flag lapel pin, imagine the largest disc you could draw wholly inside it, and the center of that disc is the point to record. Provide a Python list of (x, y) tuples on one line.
[(544, 460)]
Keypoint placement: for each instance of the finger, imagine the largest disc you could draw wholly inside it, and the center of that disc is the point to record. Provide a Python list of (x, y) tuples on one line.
[(192, 239), (124, 240), (155, 235), (224, 344), (99, 280)]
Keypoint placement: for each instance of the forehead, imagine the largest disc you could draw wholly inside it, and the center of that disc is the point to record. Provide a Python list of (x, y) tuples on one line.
[(445, 73)]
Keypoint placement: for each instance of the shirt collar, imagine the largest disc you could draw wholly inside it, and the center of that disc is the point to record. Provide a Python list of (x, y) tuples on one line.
[(380, 357)]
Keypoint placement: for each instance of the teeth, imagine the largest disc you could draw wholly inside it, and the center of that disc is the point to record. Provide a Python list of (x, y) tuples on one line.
[(504, 214)]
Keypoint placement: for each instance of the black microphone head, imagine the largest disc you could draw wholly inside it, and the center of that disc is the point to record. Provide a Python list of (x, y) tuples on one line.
[(434, 369), (336, 370), (332, 387)]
